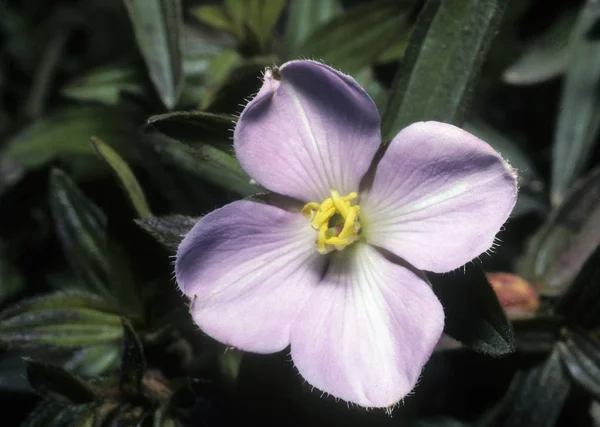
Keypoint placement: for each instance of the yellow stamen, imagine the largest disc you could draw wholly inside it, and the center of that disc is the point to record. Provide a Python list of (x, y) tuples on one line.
[(329, 236)]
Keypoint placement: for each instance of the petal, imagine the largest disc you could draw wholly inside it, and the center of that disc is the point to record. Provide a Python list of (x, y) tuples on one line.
[(438, 198), (367, 330), (310, 130), (248, 268)]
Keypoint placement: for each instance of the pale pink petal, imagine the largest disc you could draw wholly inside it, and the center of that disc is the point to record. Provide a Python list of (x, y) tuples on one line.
[(248, 268), (310, 130), (439, 197), (367, 330)]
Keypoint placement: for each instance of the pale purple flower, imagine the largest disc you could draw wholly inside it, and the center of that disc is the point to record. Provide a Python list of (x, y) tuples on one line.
[(338, 280)]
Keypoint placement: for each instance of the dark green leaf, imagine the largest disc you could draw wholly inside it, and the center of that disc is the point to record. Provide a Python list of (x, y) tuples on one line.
[(579, 111), (581, 356), (304, 17), (82, 230), (581, 303), (537, 334), (374, 26), (168, 230), (570, 235), (94, 360), (205, 161), (197, 128), (62, 319), (158, 26), (443, 58), (474, 315), (133, 361), (126, 177), (57, 383), (545, 57), (105, 85), (537, 396), (61, 135)]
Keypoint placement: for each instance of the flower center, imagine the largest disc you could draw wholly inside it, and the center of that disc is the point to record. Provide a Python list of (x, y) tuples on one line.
[(336, 220)]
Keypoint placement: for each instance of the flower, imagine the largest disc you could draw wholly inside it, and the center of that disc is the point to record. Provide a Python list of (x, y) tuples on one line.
[(338, 279)]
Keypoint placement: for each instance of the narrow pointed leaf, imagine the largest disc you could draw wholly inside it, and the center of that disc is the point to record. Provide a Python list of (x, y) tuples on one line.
[(545, 57), (158, 27), (216, 17), (579, 118), (105, 85), (374, 26), (62, 319), (474, 315), (81, 226), (63, 135), (205, 161), (304, 17), (441, 63), (126, 177), (168, 230), (567, 239), (581, 356), (262, 17), (57, 383), (133, 361), (537, 396)]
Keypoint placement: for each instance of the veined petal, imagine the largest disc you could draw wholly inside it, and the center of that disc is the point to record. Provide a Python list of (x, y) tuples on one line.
[(439, 197), (248, 268), (367, 330), (310, 130)]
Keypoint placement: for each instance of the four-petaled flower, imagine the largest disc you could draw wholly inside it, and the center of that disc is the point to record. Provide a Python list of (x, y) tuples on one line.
[(339, 279)]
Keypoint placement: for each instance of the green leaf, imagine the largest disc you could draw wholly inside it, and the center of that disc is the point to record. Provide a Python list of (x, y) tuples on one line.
[(133, 361), (579, 112), (374, 25), (62, 319), (57, 383), (474, 315), (580, 354), (126, 177), (220, 69), (545, 57), (62, 135), (81, 226), (537, 395), (445, 52), (262, 16), (105, 85), (205, 161), (569, 236), (94, 360), (158, 27), (216, 17), (580, 305), (304, 17), (168, 230), (196, 128)]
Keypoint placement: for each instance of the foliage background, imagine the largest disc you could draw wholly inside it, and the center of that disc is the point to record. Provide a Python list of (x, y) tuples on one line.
[(115, 135)]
